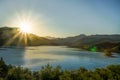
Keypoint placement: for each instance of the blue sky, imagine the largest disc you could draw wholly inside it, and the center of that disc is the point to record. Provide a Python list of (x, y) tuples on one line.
[(61, 18)]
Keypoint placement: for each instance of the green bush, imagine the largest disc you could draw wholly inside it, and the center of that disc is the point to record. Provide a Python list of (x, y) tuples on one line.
[(9, 72)]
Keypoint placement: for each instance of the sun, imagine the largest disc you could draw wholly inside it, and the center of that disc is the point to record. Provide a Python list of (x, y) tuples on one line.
[(25, 27)]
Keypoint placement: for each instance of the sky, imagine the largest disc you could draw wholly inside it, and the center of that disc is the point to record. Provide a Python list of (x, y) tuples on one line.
[(62, 18)]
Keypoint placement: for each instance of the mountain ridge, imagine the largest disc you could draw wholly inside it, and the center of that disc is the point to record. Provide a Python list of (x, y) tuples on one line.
[(80, 41)]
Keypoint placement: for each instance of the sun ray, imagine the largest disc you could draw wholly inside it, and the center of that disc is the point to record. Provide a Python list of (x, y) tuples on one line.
[(29, 38), (20, 40), (25, 22), (11, 40), (25, 39)]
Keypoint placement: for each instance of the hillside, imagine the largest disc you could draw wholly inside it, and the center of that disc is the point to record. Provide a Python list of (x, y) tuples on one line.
[(101, 42), (13, 37)]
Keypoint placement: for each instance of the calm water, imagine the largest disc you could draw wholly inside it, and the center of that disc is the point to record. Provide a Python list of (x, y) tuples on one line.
[(68, 58)]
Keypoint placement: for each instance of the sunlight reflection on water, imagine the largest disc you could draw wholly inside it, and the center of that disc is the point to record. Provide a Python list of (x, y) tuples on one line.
[(68, 58)]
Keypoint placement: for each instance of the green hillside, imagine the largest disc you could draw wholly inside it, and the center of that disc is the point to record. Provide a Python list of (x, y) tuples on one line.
[(13, 37)]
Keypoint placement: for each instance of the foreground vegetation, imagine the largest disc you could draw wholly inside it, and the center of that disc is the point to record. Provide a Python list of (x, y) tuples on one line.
[(9, 72)]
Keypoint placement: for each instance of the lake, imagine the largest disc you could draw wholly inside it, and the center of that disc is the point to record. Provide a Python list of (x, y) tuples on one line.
[(68, 58)]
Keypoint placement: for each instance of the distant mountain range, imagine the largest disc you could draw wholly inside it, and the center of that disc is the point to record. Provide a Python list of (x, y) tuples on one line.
[(98, 42), (13, 37)]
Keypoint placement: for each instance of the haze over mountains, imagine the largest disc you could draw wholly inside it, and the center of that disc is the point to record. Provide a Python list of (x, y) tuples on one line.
[(13, 37)]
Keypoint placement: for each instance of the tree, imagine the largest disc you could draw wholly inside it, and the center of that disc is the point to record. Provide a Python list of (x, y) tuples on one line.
[(3, 68)]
